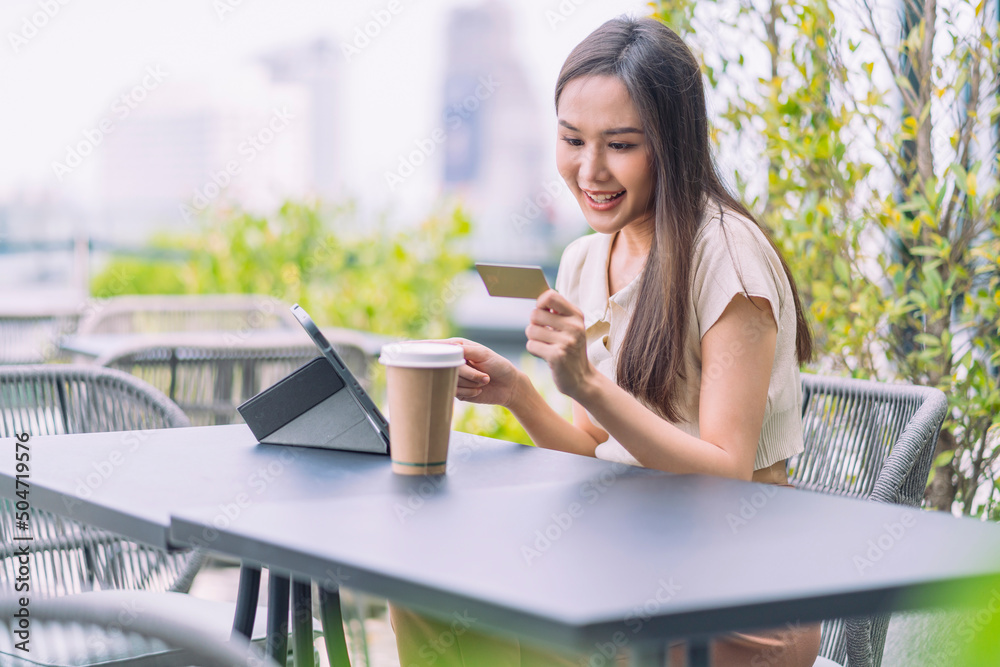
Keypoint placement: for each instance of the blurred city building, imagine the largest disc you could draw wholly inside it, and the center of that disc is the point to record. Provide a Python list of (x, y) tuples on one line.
[(270, 135), (494, 152), (316, 67)]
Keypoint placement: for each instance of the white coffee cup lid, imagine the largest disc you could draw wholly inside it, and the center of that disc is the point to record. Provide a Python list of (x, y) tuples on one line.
[(422, 355)]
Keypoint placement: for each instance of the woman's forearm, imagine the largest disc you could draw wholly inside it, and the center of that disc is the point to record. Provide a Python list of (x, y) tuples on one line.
[(653, 441), (546, 427)]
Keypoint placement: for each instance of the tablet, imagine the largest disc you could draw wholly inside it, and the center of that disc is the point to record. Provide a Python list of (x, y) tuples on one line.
[(321, 404), (360, 396)]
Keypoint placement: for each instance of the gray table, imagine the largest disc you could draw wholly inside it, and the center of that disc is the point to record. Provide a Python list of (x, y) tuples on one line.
[(339, 517), (626, 559), (130, 482)]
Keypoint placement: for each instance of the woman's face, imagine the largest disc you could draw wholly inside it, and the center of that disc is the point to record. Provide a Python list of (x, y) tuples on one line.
[(603, 156)]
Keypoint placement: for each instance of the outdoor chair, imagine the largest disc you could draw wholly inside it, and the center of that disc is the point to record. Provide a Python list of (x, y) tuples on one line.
[(98, 629), (68, 556), (208, 381), (867, 440), (188, 312), (32, 339)]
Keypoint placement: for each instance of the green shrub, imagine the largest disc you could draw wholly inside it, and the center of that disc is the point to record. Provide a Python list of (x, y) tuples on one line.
[(392, 282)]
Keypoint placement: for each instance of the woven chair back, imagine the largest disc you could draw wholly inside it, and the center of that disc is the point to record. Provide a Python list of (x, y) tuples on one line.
[(68, 556), (867, 440), (33, 339)]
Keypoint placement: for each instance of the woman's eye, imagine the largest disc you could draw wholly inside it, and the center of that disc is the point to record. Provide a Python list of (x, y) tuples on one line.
[(619, 146), (573, 141)]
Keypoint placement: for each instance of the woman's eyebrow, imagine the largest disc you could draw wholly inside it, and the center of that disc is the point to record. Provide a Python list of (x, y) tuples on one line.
[(622, 130), (616, 130)]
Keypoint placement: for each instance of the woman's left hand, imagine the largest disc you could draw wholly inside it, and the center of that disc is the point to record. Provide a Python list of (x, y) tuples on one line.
[(557, 335)]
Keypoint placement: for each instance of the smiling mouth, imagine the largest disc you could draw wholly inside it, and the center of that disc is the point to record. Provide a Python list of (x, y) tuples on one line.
[(603, 198)]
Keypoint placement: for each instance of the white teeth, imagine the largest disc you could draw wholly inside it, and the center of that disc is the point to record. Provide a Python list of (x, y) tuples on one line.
[(600, 199)]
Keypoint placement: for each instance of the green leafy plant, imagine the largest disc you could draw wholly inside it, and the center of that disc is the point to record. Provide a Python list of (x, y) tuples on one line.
[(396, 282), (970, 633), (491, 421)]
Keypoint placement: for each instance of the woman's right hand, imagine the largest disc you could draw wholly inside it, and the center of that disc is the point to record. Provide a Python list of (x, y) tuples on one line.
[(486, 377)]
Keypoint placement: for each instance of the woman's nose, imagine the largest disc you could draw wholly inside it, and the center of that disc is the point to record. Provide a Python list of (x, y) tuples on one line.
[(593, 168)]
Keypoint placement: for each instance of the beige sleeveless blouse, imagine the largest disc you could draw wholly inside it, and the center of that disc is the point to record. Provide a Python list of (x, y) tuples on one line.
[(731, 256)]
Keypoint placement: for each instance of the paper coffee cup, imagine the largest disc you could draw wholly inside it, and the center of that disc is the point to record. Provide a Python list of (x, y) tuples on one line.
[(421, 379)]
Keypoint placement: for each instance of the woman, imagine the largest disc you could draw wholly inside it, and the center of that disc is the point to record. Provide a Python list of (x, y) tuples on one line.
[(676, 329)]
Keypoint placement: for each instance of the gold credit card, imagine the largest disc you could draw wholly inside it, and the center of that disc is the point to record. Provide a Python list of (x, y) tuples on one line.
[(512, 280)]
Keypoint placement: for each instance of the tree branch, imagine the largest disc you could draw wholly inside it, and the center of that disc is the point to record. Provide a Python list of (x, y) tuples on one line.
[(908, 100), (977, 468)]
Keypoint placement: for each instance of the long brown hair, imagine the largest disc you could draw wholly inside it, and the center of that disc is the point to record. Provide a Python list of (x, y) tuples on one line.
[(664, 81)]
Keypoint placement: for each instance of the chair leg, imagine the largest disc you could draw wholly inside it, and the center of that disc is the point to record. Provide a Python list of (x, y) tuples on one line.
[(649, 654), (246, 600), (698, 653), (277, 618), (333, 627), (302, 627)]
